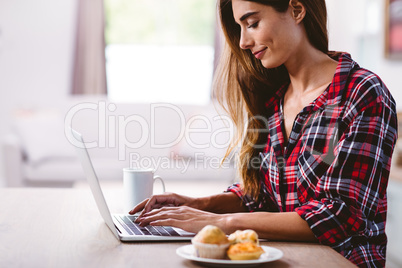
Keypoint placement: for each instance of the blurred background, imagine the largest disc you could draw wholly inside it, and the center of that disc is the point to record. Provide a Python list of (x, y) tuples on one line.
[(94, 64)]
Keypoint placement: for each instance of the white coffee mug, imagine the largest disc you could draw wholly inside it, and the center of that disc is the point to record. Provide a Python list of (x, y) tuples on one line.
[(138, 186)]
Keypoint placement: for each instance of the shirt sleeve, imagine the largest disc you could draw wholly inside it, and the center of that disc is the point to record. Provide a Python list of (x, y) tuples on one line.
[(351, 194), (249, 202)]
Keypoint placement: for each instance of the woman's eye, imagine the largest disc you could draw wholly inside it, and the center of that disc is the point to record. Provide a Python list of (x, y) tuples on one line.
[(254, 25)]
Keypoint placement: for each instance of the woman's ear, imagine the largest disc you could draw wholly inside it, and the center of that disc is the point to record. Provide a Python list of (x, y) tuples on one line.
[(298, 10)]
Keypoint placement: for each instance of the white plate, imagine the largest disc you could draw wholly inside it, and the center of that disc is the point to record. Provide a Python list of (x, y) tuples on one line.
[(271, 254)]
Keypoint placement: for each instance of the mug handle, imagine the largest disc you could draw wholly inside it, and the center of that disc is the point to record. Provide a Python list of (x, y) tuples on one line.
[(156, 177)]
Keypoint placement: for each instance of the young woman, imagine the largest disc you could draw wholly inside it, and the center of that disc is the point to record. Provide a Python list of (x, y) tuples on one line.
[(320, 132)]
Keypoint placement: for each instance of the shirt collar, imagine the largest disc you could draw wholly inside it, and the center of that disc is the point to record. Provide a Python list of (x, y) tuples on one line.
[(345, 65)]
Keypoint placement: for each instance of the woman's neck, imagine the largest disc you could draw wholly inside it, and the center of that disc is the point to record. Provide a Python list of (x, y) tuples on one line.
[(309, 70)]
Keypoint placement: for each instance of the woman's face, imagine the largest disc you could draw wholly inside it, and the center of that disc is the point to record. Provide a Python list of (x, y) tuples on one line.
[(272, 37)]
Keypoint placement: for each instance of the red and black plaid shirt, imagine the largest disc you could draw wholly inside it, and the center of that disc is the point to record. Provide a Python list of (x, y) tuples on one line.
[(334, 169)]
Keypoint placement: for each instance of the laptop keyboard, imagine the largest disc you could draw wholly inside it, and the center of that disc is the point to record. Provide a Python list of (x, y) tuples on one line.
[(134, 228)]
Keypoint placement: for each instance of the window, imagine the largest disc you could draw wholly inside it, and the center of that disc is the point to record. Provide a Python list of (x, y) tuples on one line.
[(160, 50)]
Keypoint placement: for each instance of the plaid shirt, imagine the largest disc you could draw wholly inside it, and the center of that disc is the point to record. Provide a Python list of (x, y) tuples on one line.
[(334, 169)]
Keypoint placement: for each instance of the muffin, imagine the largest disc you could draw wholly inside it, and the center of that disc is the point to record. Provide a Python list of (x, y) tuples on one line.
[(211, 242), (244, 236), (245, 251)]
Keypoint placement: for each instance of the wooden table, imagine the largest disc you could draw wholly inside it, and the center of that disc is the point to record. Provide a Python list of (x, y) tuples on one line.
[(62, 228)]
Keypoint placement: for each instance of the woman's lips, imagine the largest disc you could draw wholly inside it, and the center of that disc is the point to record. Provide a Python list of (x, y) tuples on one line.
[(260, 53)]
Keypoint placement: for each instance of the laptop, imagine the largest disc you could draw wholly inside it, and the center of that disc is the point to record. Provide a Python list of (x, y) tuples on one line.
[(122, 225)]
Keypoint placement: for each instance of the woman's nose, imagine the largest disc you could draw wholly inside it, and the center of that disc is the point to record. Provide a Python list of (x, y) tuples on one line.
[(245, 41)]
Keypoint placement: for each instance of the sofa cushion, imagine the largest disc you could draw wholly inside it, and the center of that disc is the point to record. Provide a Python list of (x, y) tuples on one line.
[(42, 136)]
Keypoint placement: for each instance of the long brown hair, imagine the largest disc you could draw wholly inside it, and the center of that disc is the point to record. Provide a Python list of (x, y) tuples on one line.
[(242, 85)]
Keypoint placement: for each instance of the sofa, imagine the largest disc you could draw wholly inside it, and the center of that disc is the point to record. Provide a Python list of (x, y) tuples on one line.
[(180, 142)]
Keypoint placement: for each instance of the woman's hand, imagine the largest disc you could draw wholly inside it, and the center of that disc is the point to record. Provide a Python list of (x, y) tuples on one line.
[(190, 214), (184, 217), (163, 200)]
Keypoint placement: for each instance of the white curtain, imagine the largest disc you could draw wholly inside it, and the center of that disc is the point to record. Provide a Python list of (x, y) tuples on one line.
[(89, 75)]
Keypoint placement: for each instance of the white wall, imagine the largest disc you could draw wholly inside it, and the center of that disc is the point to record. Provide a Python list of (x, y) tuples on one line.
[(358, 27), (36, 46)]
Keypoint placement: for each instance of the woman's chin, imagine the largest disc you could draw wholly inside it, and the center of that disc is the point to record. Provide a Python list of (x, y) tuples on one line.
[(269, 64)]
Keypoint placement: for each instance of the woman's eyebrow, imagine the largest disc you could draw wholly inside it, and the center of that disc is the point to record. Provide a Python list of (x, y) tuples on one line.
[(245, 16)]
